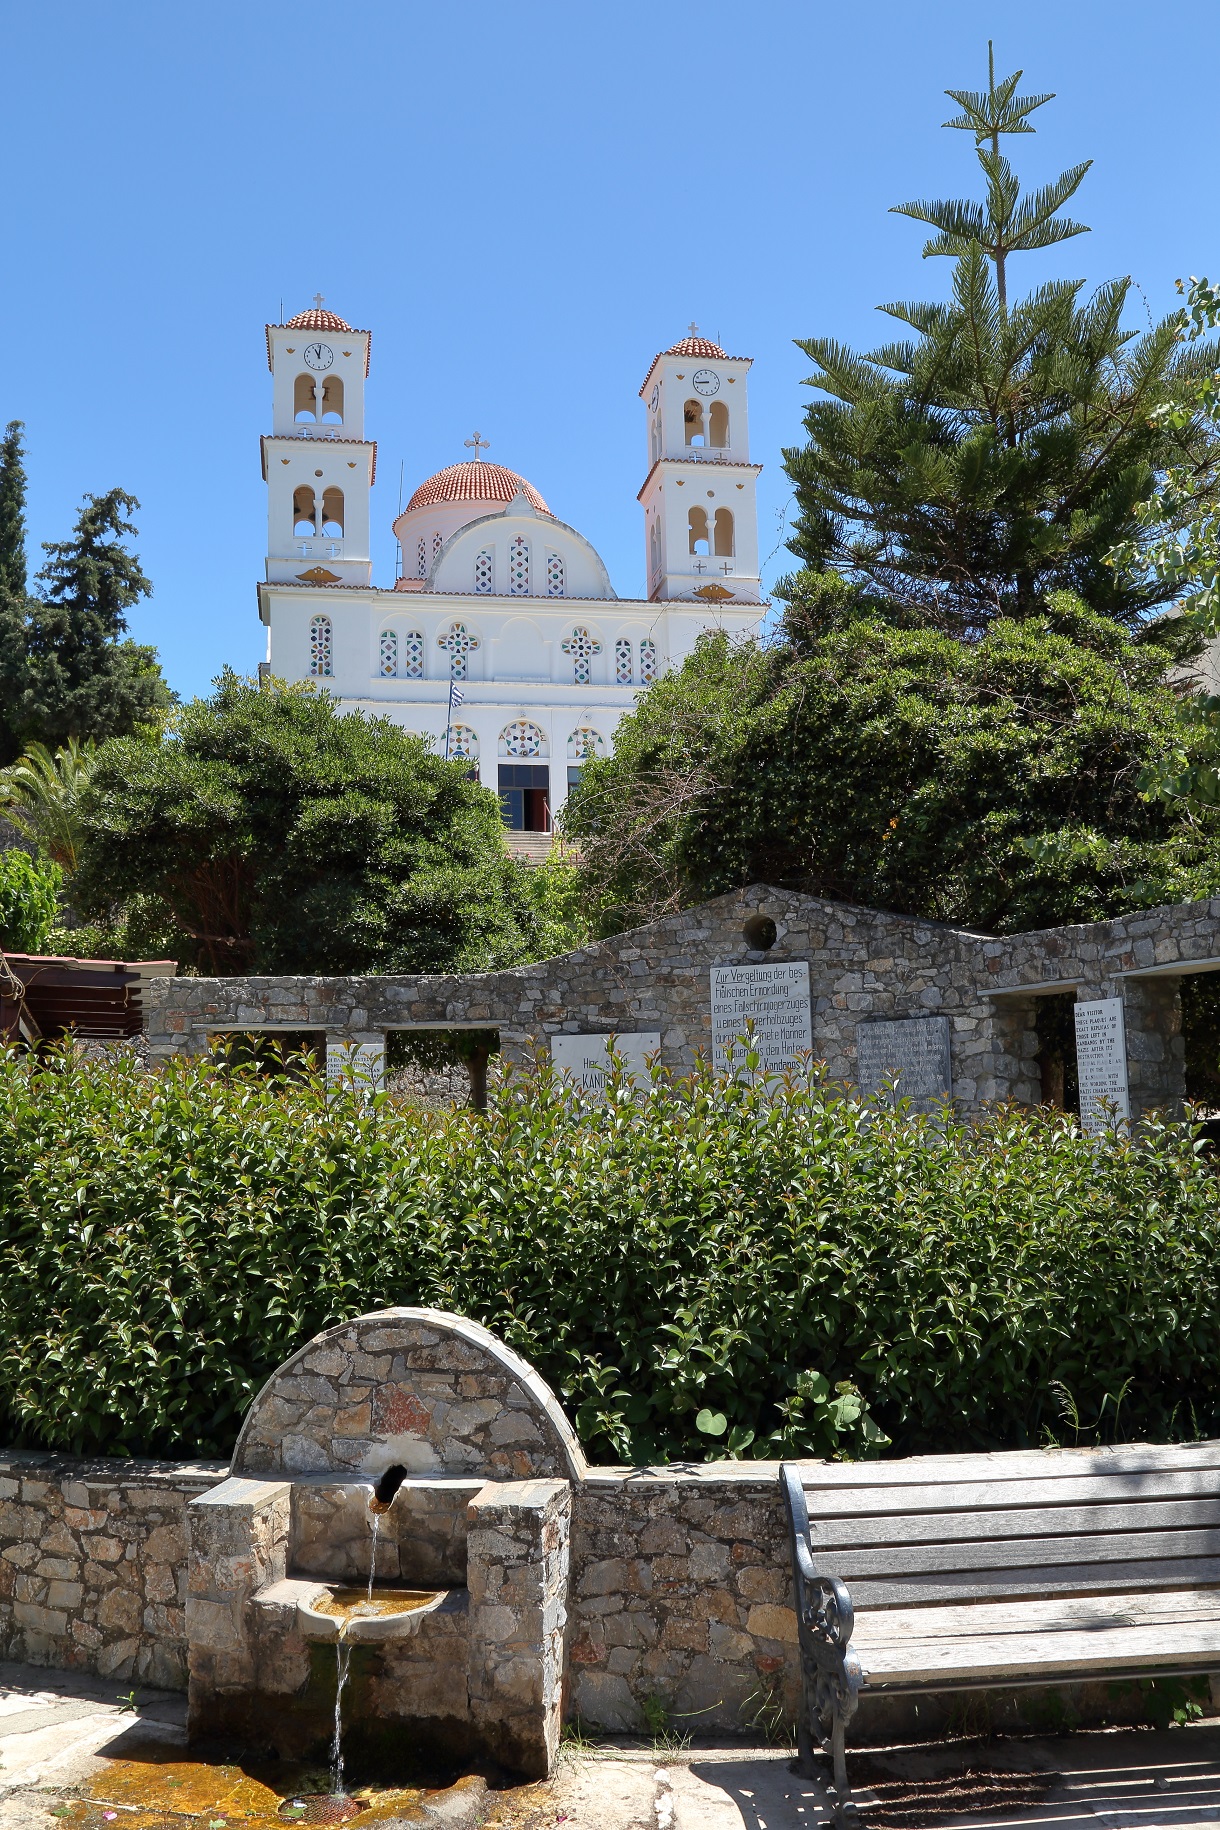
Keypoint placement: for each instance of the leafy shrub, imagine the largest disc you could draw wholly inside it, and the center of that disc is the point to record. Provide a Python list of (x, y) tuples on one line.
[(702, 1269), (29, 900)]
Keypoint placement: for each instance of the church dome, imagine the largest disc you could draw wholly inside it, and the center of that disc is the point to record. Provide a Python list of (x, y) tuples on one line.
[(695, 346), (313, 319), (475, 481)]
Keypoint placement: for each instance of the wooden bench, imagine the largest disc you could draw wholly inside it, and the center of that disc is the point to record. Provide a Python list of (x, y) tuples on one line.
[(984, 1572)]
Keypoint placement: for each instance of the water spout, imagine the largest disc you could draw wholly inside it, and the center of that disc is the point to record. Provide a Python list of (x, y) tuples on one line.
[(386, 1488)]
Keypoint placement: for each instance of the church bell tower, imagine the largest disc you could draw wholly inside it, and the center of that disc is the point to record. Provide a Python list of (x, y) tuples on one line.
[(699, 495), (318, 466)]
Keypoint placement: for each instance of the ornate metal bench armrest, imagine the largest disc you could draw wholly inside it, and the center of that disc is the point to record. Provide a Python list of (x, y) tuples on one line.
[(830, 1671)]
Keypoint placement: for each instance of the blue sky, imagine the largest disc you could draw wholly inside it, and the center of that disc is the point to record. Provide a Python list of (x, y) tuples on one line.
[(523, 203)]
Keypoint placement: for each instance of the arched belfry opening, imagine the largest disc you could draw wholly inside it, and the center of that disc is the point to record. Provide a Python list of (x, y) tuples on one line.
[(304, 511), (692, 414), (332, 511), (718, 421), (724, 533), (696, 523), (304, 401), (332, 400)]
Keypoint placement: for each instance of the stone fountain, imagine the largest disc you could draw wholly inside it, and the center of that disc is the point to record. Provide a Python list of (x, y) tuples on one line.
[(461, 1653)]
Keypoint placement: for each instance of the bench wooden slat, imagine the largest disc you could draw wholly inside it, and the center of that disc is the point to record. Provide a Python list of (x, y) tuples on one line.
[(897, 1529), (1050, 1579), (1062, 1653), (1111, 1488), (1166, 1610), (1010, 1465), (893, 1561)]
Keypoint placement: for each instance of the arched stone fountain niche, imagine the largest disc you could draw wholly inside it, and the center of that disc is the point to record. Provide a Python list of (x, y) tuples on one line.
[(480, 1459)]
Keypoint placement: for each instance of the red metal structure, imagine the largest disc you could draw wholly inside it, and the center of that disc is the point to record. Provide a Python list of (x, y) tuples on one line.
[(43, 998)]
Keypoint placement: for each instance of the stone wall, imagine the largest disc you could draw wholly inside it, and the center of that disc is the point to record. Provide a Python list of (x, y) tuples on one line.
[(863, 964), (93, 1563)]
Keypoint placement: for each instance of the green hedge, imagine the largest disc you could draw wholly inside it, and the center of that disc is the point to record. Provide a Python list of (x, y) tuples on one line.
[(695, 1271)]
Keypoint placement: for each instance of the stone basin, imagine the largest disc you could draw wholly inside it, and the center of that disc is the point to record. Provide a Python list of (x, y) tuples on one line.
[(327, 1611)]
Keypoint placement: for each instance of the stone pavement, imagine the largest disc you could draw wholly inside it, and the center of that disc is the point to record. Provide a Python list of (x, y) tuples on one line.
[(58, 1730)]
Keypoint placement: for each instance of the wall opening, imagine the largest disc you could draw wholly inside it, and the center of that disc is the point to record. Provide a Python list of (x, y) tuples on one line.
[(304, 401), (525, 796), (1201, 1038), (696, 523), (718, 422), (441, 1067), (692, 414), (1055, 1028), (724, 533), (332, 511), (332, 400)]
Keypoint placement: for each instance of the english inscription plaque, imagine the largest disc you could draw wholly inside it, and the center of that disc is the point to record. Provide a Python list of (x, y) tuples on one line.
[(772, 995), (1101, 1064), (906, 1058)]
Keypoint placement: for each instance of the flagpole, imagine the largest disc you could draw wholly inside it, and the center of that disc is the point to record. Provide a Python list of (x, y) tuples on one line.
[(449, 717)]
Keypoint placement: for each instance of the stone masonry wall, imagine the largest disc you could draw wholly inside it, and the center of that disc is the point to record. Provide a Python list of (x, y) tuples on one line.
[(93, 1563), (862, 964)]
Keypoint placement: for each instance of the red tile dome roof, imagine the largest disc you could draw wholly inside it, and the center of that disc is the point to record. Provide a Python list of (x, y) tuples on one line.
[(313, 319), (475, 481), (695, 346)]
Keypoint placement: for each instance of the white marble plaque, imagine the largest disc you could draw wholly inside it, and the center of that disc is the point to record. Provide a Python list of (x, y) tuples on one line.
[(774, 996), (912, 1052), (1101, 1064), (586, 1059), (360, 1064)]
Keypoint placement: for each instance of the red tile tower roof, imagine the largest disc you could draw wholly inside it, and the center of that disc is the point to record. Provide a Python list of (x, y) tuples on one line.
[(313, 319), (475, 481), (695, 346)]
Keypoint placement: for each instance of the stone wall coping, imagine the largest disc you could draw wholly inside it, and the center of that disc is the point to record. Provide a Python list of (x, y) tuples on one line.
[(111, 1470), (247, 1490)]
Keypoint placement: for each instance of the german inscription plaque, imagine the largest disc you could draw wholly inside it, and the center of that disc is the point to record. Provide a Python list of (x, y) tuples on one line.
[(910, 1052), (774, 997), (586, 1059)]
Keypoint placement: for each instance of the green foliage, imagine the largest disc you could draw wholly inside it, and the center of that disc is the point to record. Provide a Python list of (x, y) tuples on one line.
[(167, 1239), (993, 784), (29, 900), (66, 671), (997, 452), (275, 834), (41, 795)]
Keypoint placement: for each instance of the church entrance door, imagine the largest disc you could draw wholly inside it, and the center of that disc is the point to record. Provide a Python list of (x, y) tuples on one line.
[(525, 796)]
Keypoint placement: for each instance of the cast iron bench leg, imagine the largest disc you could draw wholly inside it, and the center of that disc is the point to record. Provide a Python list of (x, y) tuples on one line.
[(830, 1671)]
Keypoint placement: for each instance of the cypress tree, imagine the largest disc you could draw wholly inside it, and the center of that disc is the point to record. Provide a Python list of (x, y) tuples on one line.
[(12, 514)]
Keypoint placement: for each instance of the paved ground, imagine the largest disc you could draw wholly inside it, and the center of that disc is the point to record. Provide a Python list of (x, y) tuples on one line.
[(58, 1733)]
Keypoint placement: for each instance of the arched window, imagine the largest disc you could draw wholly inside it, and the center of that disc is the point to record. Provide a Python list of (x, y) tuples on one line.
[(696, 523), (438, 542), (484, 572), (332, 511), (304, 511), (654, 549), (692, 414), (518, 567), (421, 559), (320, 647), (554, 575), (521, 738), (624, 673), (719, 421), (582, 648), (462, 743), (584, 743), (724, 533), (648, 660), (332, 400), (460, 644), (304, 402), (413, 654)]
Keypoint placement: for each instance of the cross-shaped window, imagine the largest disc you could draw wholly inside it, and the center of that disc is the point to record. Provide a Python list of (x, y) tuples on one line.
[(582, 648), (460, 644)]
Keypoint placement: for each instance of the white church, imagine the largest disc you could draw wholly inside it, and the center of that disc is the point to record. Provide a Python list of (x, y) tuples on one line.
[(502, 640)]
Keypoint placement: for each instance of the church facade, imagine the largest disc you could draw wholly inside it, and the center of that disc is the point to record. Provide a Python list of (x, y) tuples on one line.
[(502, 639)]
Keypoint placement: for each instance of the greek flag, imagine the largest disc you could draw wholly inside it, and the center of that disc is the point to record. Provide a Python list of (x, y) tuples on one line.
[(456, 696)]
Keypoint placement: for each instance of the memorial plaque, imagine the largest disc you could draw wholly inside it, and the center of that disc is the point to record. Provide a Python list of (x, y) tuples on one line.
[(586, 1059), (1101, 1064), (912, 1052), (774, 997), (360, 1064)]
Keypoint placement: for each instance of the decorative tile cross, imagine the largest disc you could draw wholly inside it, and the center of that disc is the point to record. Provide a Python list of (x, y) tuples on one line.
[(460, 643), (582, 648)]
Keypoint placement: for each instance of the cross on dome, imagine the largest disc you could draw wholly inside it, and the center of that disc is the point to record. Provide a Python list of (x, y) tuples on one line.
[(478, 444), (318, 300), (692, 329)]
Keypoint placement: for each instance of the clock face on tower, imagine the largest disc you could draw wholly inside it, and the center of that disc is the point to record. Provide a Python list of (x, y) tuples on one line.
[(320, 355), (656, 395), (704, 381)]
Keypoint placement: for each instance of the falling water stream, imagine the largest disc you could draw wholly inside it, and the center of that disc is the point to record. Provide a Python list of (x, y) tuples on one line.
[(380, 1500)]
